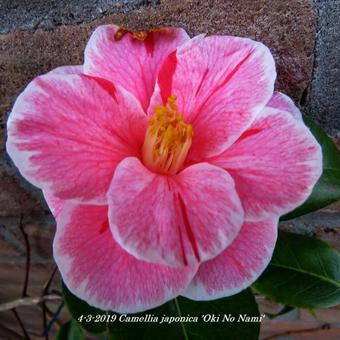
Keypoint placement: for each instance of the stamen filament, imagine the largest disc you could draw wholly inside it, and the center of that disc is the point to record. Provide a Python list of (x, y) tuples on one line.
[(167, 140)]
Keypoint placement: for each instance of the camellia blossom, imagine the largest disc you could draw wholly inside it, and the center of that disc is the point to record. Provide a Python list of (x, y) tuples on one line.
[(166, 161)]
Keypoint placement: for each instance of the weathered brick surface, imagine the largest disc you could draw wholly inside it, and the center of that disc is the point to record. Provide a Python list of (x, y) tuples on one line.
[(293, 330), (15, 200), (32, 318), (331, 315), (299, 323), (34, 14), (39, 231), (322, 224), (324, 105)]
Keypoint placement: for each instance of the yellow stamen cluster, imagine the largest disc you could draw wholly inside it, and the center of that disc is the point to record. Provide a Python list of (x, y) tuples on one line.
[(167, 139)]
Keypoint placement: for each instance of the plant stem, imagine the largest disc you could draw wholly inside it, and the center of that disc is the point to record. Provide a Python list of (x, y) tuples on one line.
[(182, 324), (21, 324), (28, 256), (28, 301)]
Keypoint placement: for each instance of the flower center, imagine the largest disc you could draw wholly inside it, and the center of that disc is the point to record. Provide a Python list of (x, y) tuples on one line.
[(167, 139)]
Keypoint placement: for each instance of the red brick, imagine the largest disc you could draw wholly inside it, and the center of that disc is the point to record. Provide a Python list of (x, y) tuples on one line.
[(330, 315)]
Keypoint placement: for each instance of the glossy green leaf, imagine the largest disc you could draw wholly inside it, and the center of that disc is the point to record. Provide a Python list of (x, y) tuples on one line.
[(70, 331), (304, 272), (86, 316), (222, 320), (327, 189)]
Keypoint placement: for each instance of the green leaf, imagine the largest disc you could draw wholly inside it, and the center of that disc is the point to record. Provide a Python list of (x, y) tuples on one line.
[(327, 189), (70, 331), (304, 272), (220, 312), (84, 314)]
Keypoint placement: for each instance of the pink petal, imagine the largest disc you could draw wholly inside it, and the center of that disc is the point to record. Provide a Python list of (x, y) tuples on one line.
[(97, 270), (174, 220), (68, 69), (67, 133), (55, 204), (221, 84), (283, 102), (274, 164), (129, 62), (239, 265)]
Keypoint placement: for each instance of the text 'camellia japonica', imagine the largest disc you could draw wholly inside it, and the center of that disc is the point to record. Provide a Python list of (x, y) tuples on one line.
[(166, 161)]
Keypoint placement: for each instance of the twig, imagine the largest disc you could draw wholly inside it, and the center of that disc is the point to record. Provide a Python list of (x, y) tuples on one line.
[(300, 331), (28, 256), (49, 281), (44, 316), (53, 319), (21, 324), (28, 262), (28, 301), (43, 304), (8, 331), (51, 315)]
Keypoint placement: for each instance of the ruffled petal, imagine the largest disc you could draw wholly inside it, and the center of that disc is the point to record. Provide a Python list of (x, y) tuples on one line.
[(275, 164), (174, 220), (128, 61), (221, 84), (239, 265), (283, 102), (67, 133), (55, 204), (68, 69), (96, 269)]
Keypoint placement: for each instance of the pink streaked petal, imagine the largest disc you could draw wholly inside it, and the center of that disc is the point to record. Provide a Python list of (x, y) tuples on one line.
[(274, 164), (67, 133), (129, 62), (55, 204), (97, 270), (173, 220), (68, 69), (282, 102), (221, 84), (239, 265)]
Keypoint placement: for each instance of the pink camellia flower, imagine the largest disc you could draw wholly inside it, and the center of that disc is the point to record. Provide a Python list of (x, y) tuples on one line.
[(166, 161)]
